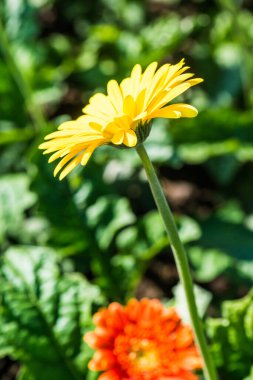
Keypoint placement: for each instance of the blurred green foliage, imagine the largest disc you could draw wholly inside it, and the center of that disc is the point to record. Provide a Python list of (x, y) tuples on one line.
[(101, 222)]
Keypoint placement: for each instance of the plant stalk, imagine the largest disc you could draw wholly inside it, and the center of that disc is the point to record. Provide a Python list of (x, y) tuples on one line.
[(181, 262)]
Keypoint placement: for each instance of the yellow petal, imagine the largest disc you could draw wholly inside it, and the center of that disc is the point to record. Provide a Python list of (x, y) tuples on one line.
[(44, 145), (125, 86), (59, 153), (96, 127), (179, 79), (178, 72), (166, 112), (136, 71), (123, 122), (175, 70), (88, 152), (51, 150), (176, 91), (70, 167), (94, 111), (167, 96), (148, 75), (195, 81), (73, 132), (142, 115), (157, 83), (87, 119), (112, 128), (67, 125), (175, 111), (115, 95), (64, 161), (79, 139), (118, 138), (129, 106), (157, 102), (130, 138), (186, 110), (103, 103), (135, 79), (139, 102)]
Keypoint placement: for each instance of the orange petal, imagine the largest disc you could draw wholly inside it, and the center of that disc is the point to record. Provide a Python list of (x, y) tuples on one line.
[(102, 360), (112, 374)]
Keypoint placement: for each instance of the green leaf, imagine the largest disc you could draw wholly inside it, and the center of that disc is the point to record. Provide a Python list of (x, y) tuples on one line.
[(227, 236), (24, 374), (148, 237), (43, 314), (15, 199), (140, 243), (169, 31), (189, 230), (211, 263), (109, 215), (208, 263), (10, 135), (203, 299), (232, 338)]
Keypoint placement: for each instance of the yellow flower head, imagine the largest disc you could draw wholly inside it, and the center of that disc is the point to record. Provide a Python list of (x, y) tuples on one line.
[(115, 118)]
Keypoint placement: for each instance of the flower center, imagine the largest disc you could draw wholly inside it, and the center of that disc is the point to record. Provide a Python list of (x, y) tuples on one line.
[(143, 355), (139, 357)]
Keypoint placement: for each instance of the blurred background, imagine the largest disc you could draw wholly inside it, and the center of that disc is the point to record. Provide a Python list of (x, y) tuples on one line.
[(101, 221)]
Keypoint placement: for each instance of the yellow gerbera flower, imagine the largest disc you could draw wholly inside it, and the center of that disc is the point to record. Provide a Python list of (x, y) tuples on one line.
[(116, 117)]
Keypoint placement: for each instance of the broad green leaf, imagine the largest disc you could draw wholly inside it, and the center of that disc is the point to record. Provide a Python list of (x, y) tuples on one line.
[(235, 239), (109, 215), (43, 314), (227, 126), (15, 199), (24, 374), (232, 338), (203, 299), (208, 263), (202, 151), (170, 30), (189, 229), (140, 243), (148, 237), (9, 134)]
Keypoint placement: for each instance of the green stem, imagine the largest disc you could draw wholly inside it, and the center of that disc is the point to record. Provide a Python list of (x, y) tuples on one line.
[(33, 108), (181, 262)]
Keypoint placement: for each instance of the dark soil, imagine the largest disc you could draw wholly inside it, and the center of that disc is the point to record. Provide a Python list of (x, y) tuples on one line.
[(8, 369)]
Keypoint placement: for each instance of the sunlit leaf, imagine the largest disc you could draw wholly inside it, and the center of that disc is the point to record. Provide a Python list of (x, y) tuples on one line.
[(232, 339), (44, 313)]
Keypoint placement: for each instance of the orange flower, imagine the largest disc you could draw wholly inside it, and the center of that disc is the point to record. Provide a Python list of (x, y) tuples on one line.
[(142, 341)]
